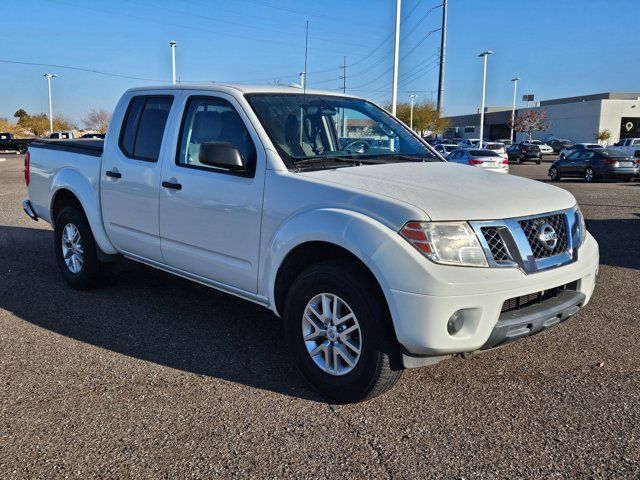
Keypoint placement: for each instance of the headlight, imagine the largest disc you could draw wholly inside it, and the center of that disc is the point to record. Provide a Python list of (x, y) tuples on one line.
[(583, 228), (449, 243)]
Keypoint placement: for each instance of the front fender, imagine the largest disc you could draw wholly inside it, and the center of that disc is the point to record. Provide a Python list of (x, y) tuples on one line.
[(390, 258), (88, 193)]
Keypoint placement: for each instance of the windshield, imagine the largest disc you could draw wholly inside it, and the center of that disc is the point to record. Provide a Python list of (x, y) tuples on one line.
[(323, 131)]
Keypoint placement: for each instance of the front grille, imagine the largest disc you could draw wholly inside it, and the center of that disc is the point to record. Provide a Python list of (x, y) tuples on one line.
[(516, 303), (540, 249), (496, 244)]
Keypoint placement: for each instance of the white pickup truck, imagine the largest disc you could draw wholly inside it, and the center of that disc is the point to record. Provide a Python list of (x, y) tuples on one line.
[(377, 253), (630, 146)]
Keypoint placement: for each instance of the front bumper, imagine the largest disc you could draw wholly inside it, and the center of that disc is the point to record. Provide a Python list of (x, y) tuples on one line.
[(420, 320)]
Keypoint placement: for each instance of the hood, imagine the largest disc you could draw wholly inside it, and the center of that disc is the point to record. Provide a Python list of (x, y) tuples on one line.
[(448, 191)]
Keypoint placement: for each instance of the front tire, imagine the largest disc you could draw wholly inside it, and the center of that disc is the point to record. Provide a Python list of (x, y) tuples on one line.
[(338, 331), (76, 251), (554, 175), (589, 175), (22, 149)]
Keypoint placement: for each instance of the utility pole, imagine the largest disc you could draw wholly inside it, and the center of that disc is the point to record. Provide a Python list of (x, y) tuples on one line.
[(303, 75), (344, 75), (412, 97), (49, 76), (484, 56), (443, 47), (513, 108), (396, 52), (173, 44)]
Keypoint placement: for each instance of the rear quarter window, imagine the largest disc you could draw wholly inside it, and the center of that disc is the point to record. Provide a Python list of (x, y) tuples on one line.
[(143, 127)]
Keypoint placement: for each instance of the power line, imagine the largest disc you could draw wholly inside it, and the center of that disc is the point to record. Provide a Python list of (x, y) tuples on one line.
[(82, 69)]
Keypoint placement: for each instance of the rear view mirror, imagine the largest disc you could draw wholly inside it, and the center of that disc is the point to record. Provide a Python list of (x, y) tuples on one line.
[(221, 155)]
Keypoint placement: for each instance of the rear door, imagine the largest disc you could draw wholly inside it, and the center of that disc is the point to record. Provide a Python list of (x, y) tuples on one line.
[(130, 176), (209, 216)]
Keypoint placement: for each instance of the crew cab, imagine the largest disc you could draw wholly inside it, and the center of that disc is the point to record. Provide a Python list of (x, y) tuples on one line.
[(629, 146), (9, 143), (377, 258)]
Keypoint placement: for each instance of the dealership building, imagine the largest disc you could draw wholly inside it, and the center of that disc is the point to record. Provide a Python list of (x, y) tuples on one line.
[(574, 118)]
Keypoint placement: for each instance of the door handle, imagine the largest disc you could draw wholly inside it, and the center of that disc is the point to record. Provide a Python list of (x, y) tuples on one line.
[(172, 185), (111, 174)]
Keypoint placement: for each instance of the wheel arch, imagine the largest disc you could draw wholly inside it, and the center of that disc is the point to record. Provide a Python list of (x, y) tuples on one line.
[(69, 187)]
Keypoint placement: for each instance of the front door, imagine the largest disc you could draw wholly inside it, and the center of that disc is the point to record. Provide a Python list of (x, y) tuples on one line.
[(130, 176), (209, 216)]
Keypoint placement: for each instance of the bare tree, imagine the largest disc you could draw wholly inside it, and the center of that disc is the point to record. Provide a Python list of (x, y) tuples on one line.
[(530, 121), (97, 119)]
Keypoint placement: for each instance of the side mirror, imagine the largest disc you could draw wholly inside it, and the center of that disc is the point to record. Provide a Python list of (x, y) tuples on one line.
[(221, 155)]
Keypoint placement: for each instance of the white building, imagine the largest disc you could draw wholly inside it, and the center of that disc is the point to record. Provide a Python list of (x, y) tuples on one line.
[(575, 118)]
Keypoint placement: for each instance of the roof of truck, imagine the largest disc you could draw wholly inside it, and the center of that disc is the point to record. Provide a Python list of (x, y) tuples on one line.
[(215, 86)]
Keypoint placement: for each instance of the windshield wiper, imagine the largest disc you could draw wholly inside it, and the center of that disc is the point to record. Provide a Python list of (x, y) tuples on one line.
[(328, 161)]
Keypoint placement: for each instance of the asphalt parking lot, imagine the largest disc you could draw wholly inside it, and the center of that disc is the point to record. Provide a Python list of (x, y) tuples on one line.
[(155, 377)]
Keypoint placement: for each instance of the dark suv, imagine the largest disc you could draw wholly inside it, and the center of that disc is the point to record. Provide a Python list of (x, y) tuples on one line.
[(520, 152)]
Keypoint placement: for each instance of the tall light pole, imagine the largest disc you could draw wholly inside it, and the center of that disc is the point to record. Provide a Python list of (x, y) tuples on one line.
[(484, 56), (443, 48), (513, 108), (396, 52), (173, 44), (49, 76), (411, 97)]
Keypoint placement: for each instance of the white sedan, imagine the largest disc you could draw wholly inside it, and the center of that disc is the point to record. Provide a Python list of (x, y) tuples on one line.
[(544, 148)]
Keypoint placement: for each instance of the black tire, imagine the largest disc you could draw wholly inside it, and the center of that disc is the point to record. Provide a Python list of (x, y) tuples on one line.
[(92, 273), (518, 160), (589, 175), (376, 370), (554, 175), (538, 162), (22, 149)]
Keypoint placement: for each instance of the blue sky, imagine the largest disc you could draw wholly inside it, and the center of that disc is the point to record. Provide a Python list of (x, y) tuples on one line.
[(559, 48)]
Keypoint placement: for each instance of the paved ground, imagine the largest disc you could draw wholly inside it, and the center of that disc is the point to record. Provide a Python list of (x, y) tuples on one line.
[(158, 377)]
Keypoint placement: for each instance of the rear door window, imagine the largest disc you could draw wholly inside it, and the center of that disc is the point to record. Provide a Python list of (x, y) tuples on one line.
[(143, 127)]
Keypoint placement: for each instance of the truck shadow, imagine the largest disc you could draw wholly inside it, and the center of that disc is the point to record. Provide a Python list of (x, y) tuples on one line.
[(149, 315), (619, 240)]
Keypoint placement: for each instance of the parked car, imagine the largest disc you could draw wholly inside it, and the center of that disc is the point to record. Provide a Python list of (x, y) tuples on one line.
[(376, 262), (595, 164), (497, 147), (93, 135), (10, 143), (484, 159), (558, 144), (544, 148), (630, 146), (578, 147), (505, 141), (445, 149), (520, 152), (61, 135)]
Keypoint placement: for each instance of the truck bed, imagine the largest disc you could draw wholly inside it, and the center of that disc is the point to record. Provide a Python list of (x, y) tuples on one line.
[(88, 146)]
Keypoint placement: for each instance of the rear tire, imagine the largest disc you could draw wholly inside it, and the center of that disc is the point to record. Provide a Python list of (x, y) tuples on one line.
[(22, 149), (343, 283), (76, 251)]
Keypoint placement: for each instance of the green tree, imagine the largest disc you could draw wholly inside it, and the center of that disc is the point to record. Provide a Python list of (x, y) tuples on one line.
[(425, 116), (603, 136), (21, 115), (37, 124)]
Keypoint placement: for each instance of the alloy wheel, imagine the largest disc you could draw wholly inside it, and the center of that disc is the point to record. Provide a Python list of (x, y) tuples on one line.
[(72, 251), (331, 334)]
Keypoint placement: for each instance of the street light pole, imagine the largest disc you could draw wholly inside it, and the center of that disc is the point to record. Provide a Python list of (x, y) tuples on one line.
[(49, 76), (484, 56), (396, 52), (412, 97), (173, 44), (513, 108)]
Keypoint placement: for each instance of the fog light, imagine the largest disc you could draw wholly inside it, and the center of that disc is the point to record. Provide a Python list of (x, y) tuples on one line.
[(455, 323)]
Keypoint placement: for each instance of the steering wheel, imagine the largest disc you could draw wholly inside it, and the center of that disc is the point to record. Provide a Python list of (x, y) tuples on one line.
[(357, 146)]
